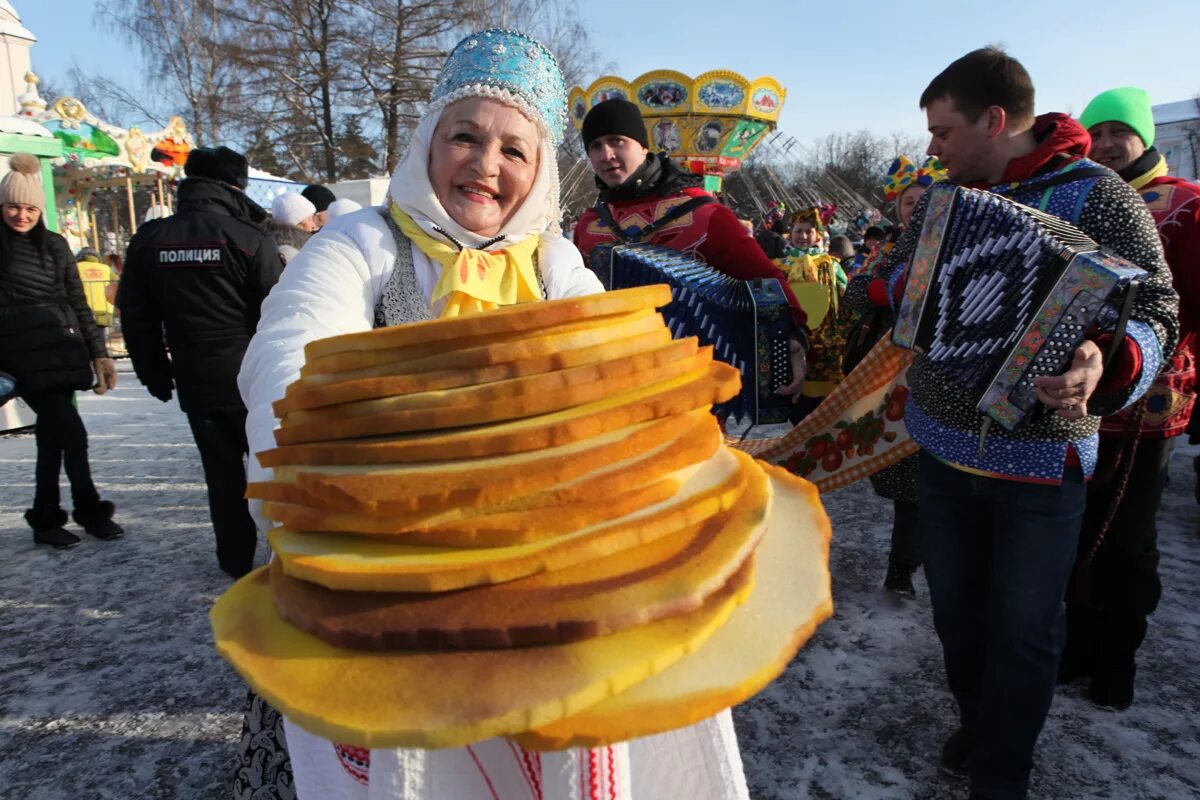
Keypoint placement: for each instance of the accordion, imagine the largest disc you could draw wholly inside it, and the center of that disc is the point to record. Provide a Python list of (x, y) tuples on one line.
[(999, 293), (746, 322)]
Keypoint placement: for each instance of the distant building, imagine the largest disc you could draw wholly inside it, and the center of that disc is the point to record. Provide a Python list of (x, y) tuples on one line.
[(1177, 136), (15, 42)]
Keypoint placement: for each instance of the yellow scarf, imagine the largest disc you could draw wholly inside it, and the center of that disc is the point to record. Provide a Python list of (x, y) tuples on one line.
[(476, 280), (1157, 171)]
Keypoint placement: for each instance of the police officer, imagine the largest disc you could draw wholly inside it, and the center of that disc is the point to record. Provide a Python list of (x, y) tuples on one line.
[(199, 276)]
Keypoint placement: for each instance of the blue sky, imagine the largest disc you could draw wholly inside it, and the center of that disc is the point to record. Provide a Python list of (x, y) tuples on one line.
[(846, 65)]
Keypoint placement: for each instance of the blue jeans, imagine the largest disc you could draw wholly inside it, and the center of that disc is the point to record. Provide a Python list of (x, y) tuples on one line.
[(998, 555)]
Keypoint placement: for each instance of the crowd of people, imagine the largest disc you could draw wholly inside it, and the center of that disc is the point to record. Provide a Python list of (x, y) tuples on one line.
[(1038, 546)]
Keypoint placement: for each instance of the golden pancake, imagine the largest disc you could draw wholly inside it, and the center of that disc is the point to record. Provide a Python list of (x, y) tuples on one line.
[(342, 562), (409, 488), (451, 699), (662, 399), (500, 322), (671, 575), (791, 597), (463, 527), (347, 390), (486, 351), (523, 397)]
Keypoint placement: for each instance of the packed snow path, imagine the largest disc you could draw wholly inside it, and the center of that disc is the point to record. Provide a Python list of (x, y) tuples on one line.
[(110, 687)]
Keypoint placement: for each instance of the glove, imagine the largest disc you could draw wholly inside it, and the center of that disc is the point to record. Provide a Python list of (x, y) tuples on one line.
[(160, 390)]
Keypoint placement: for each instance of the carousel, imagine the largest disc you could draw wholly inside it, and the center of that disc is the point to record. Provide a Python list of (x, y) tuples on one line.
[(108, 179), (708, 124)]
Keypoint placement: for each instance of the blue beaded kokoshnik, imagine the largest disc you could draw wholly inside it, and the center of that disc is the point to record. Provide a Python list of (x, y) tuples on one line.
[(513, 62)]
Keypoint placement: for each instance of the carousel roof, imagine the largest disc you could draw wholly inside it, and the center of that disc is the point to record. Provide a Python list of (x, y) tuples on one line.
[(90, 143), (711, 122), (24, 126)]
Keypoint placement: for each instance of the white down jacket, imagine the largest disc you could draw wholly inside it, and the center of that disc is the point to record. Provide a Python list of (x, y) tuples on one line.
[(333, 286)]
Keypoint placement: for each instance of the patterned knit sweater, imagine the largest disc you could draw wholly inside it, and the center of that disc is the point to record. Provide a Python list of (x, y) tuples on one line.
[(942, 418)]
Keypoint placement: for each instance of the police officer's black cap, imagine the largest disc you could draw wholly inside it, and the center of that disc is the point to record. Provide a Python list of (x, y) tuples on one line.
[(218, 164), (615, 116), (319, 196)]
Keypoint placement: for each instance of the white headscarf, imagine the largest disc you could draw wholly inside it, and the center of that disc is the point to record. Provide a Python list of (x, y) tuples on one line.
[(411, 190)]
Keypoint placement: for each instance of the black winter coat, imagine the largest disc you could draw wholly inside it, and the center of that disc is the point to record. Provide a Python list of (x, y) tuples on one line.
[(48, 336), (200, 276)]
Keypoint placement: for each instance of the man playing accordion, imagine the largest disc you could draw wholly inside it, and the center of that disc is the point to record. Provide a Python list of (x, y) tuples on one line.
[(1000, 510)]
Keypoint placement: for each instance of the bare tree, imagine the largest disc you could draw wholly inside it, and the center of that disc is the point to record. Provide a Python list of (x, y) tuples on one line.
[(307, 86), (402, 45), (184, 43), (860, 159), (294, 53)]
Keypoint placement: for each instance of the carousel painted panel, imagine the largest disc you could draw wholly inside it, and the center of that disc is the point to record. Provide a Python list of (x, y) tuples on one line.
[(766, 98), (722, 92), (578, 104), (742, 139), (608, 89), (663, 92)]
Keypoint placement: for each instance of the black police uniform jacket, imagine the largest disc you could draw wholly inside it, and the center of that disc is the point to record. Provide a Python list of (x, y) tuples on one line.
[(199, 277)]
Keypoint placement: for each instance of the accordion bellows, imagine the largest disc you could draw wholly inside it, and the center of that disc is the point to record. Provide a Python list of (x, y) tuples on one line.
[(998, 293), (747, 323), (520, 523)]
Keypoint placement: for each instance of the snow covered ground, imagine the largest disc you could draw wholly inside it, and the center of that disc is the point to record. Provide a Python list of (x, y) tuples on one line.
[(110, 688)]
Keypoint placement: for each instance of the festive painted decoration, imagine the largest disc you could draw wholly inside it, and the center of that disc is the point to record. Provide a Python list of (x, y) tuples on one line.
[(904, 173), (98, 156), (709, 124), (812, 215)]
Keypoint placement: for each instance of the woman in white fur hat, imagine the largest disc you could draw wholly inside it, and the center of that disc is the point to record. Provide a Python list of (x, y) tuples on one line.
[(292, 223)]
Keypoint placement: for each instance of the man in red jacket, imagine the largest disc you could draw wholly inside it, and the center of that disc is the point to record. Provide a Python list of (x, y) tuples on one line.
[(1118, 551), (644, 197)]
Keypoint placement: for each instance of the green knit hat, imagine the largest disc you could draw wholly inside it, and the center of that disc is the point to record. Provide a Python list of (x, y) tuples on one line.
[(1128, 105)]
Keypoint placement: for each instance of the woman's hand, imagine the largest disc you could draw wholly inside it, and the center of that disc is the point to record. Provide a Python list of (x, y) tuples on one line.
[(106, 375)]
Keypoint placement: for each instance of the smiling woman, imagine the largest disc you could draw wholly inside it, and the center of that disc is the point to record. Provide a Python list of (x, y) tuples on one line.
[(483, 163), (471, 224), (51, 346)]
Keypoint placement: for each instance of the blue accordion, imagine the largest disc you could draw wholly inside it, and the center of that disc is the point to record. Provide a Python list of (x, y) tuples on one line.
[(746, 322), (998, 293)]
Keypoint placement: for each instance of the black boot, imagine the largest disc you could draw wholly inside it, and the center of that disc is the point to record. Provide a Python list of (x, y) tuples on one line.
[(1079, 655), (899, 580), (97, 521), (1112, 678), (48, 528), (954, 755)]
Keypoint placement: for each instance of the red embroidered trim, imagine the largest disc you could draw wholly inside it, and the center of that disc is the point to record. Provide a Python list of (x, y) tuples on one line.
[(355, 760), (483, 773), (612, 774), (594, 778), (530, 770)]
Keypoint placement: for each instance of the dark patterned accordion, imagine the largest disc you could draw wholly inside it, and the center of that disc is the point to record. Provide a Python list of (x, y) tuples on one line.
[(998, 293), (746, 322)]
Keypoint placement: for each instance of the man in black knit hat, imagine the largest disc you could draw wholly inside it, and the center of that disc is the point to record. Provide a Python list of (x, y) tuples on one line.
[(200, 276), (644, 197)]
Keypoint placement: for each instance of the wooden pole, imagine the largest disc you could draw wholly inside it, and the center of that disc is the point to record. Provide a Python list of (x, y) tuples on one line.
[(95, 231), (132, 210), (162, 197)]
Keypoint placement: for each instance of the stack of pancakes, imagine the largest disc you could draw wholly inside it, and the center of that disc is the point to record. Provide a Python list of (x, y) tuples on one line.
[(520, 523)]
